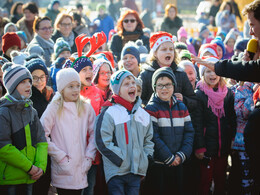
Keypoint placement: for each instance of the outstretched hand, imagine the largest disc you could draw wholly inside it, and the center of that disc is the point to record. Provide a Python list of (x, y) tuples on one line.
[(200, 61)]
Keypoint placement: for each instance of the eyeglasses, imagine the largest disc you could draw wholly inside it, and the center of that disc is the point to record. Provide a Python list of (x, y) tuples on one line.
[(42, 78), (167, 86), (127, 20), (105, 73), (66, 24), (46, 29)]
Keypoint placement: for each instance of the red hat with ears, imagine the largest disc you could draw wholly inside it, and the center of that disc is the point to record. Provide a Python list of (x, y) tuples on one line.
[(210, 47), (160, 37)]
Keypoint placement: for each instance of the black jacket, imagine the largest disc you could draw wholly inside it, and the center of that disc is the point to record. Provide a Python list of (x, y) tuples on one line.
[(171, 26), (183, 84), (205, 120), (57, 34)]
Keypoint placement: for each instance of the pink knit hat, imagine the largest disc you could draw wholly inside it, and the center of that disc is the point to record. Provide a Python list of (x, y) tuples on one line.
[(182, 33)]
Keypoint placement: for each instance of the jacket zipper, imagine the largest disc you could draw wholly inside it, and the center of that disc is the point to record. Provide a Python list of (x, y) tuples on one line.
[(126, 133)]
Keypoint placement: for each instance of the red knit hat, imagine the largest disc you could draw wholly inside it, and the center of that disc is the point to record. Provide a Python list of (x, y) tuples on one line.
[(160, 37), (210, 47), (10, 39)]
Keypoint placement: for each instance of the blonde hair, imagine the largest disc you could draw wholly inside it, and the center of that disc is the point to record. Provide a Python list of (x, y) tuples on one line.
[(61, 16)]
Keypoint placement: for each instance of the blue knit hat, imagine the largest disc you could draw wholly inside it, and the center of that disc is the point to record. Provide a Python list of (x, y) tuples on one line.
[(35, 64), (220, 43), (117, 79), (130, 48), (81, 63), (22, 35), (60, 46), (241, 44)]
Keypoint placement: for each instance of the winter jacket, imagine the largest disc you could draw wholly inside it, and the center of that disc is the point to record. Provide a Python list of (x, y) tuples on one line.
[(57, 34), (171, 26), (124, 140), (22, 26), (106, 24), (213, 135), (52, 14), (47, 46), (183, 84), (67, 135), (173, 131), (15, 18), (22, 141), (116, 45)]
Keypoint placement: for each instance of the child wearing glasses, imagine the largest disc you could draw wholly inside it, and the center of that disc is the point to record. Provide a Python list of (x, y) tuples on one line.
[(173, 135)]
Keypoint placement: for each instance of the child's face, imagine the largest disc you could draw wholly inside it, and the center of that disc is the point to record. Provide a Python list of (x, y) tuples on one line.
[(207, 53), (231, 43), (139, 91), (39, 79), (211, 78), (15, 47), (65, 54), (11, 29), (191, 74), (128, 89), (183, 39), (130, 62), (165, 54), (71, 92), (86, 75), (164, 88), (220, 52), (104, 76), (205, 34), (22, 43), (24, 88)]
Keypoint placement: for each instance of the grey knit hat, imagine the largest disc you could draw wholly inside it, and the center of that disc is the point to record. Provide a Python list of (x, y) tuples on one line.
[(163, 72), (117, 79)]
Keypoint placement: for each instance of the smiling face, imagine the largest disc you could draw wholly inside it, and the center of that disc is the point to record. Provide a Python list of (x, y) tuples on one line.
[(254, 25), (24, 88), (191, 75), (39, 79), (211, 78), (165, 54), (128, 89), (129, 23), (86, 75), (220, 52), (231, 43), (29, 16), (65, 26), (130, 62), (45, 29), (71, 92), (164, 93), (104, 76)]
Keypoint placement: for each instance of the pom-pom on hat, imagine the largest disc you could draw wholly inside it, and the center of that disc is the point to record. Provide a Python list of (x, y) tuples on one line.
[(81, 63), (163, 72), (35, 64), (13, 75), (117, 79), (160, 37), (66, 76), (208, 47), (18, 57), (60, 46), (10, 39), (140, 46), (130, 48), (182, 33), (202, 68)]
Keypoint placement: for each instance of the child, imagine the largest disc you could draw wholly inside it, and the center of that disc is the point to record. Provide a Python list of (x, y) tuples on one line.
[(67, 121), (221, 50), (10, 42), (173, 135), (61, 49), (215, 125), (123, 134), (164, 55), (23, 39), (190, 70), (229, 43), (23, 146), (183, 37)]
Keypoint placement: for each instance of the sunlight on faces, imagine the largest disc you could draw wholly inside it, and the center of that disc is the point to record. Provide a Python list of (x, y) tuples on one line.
[(104, 76), (164, 94), (219, 52), (128, 89), (39, 79), (65, 54), (139, 91), (130, 62), (191, 75), (254, 25), (45, 34), (165, 54), (130, 27), (211, 78), (24, 88), (29, 16), (65, 26), (71, 92), (231, 43), (86, 75), (23, 44)]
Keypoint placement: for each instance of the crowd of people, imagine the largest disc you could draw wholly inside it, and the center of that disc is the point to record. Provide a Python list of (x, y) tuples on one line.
[(111, 106)]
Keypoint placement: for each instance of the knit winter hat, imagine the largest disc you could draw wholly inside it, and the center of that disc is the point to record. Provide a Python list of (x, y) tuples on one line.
[(180, 45), (139, 82), (60, 46), (185, 54), (163, 72), (202, 29), (13, 75), (3, 60), (81, 63), (130, 48), (9, 40), (182, 33), (66, 76), (8, 25), (101, 6), (22, 35), (241, 44), (220, 43), (160, 37), (36, 49), (96, 66), (35, 64), (230, 35), (202, 68), (18, 57), (140, 46), (117, 79), (210, 47)]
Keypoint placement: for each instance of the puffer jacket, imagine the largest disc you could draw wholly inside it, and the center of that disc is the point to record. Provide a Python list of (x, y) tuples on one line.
[(183, 84), (213, 135), (22, 141)]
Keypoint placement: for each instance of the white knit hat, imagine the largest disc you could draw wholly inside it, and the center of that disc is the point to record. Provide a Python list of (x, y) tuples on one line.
[(202, 68), (66, 76)]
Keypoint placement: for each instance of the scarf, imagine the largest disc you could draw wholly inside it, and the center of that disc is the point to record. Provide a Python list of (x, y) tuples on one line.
[(130, 36), (49, 42), (129, 106), (215, 98), (70, 39)]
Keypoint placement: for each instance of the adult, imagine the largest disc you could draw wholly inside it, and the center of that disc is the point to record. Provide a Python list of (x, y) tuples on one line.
[(8, 5), (30, 11), (63, 28), (129, 28), (78, 26), (236, 9), (16, 12), (213, 11), (171, 22), (53, 10)]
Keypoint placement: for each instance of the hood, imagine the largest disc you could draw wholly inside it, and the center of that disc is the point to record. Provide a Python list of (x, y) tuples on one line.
[(11, 101)]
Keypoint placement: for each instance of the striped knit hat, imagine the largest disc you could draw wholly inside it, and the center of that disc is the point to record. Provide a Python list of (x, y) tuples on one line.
[(13, 75)]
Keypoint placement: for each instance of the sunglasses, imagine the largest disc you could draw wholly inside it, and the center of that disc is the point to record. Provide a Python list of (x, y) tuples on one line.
[(127, 20)]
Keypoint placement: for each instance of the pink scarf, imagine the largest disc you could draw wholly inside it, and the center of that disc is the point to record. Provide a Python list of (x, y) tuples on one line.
[(215, 98)]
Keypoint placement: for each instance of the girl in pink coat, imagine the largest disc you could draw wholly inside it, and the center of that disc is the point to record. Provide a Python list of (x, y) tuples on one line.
[(67, 121)]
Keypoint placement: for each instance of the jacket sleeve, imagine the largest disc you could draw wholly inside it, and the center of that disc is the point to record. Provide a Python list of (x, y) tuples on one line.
[(115, 46), (145, 86), (91, 148), (48, 120), (233, 69), (148, 144), (104, 132), (8, 152), (231, 115)]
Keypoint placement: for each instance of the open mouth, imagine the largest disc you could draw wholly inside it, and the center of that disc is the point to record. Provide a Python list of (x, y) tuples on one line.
[(167, 58), (213, 79), (28, 91), (88, 79), (131, 94)]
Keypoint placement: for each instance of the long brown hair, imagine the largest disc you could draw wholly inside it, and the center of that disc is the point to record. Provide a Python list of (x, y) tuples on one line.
[(120, 28)]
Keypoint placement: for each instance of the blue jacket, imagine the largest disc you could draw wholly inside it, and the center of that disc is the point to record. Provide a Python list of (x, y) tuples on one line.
[(106, 24), (173, 131)]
